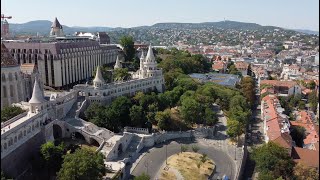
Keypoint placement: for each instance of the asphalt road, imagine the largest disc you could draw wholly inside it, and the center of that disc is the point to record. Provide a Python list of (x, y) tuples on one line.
[(155, 157)]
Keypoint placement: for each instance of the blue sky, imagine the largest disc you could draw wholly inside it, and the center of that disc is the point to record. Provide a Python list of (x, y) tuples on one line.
[(298, 14)]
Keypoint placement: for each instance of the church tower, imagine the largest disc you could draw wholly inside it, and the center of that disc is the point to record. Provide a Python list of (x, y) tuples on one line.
[(56, 29)]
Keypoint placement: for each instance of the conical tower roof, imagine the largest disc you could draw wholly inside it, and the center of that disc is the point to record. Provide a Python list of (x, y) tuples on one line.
[(150, 57), (56, 23), (6, 58), (141, 60), (118, 64), (37, 94), (98, 78)]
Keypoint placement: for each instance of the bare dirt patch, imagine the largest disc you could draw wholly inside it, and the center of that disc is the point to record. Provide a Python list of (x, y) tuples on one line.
[(190, 166)]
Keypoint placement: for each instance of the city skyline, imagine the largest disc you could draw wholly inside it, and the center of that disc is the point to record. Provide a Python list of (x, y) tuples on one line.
[(286, 14)]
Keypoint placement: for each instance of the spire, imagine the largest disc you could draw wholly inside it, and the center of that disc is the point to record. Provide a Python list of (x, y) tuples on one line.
[(98, 78), (118, 64), (150, 56), (56, 24), (141, 60), (37, 94)]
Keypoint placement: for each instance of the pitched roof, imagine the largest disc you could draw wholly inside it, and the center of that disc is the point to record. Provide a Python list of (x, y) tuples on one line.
[(219, 65), (6, 59), (98, 78), (37, 95), (284, 140), (150, 57), (288, 84), (306, 156)]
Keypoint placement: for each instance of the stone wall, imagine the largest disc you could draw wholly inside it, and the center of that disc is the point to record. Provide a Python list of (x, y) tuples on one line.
[(17, 161), (136, 130)]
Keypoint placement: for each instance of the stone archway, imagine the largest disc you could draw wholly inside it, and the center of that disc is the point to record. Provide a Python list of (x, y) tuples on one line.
[(79, 136), (94, 142), (57, 131)]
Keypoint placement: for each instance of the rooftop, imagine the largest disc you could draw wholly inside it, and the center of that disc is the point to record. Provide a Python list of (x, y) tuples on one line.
[(222, 79)]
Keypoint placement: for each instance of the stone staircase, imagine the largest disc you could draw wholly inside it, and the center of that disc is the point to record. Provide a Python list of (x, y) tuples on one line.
[(132, 148), (74, 108)]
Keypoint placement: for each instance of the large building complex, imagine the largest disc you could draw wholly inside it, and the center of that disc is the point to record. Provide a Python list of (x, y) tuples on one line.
[(63, 60), (16, 80), (147, 78)]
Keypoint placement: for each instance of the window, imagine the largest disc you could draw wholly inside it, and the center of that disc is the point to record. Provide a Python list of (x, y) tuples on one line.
[(3, 77), (4, 89), (11, 91)]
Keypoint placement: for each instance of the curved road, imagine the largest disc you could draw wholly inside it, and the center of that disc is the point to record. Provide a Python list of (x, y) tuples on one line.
[(155, 157)]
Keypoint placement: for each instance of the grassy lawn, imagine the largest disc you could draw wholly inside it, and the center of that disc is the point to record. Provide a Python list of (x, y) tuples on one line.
[(187, 164)]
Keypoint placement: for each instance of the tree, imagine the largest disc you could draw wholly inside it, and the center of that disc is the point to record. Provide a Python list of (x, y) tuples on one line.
[(184, 148), (95, 114), (311, 85), (82, 164), (234, 128), (303, 172), (9, 112), (195, 148), (210, 117), (273, 159), (143, 176), (128, 47), (301, 105), (163, 118), (121, 74), (121, 107), (137, 115), (52, 155), (190, 109), (298, 134), (313, 100)]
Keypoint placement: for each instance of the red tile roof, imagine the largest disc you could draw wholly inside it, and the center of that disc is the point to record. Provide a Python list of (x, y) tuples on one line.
[(306, 156)]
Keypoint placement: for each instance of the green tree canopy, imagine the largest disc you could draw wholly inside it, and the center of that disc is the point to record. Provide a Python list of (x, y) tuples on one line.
[(52, 155), (9, 112), (128, 47), (143, 176), (83, 164), (272, 159), (164, 119), (190, 110), (137, 115), (121, 74)]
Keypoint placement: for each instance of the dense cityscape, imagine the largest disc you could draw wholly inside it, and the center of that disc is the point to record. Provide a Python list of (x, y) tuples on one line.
[(220, 100)]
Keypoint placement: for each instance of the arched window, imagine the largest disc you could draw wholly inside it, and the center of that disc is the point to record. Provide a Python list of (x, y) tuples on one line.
[(3, 77), (16, 76), (10, 77)]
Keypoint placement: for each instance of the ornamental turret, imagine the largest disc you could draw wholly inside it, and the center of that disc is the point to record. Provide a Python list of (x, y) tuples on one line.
[(98, 79), (118, 64), (37, 101)]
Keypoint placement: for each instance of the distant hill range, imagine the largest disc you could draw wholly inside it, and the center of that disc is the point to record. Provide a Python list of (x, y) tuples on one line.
[(43, 27), (307, 31)]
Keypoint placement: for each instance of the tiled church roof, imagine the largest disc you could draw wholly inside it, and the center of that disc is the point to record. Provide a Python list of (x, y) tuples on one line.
[(6, 59)]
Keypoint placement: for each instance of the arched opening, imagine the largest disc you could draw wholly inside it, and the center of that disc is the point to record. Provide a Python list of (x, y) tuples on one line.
[(57, 131), (94, 142), (79, 136), (119, 149)]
